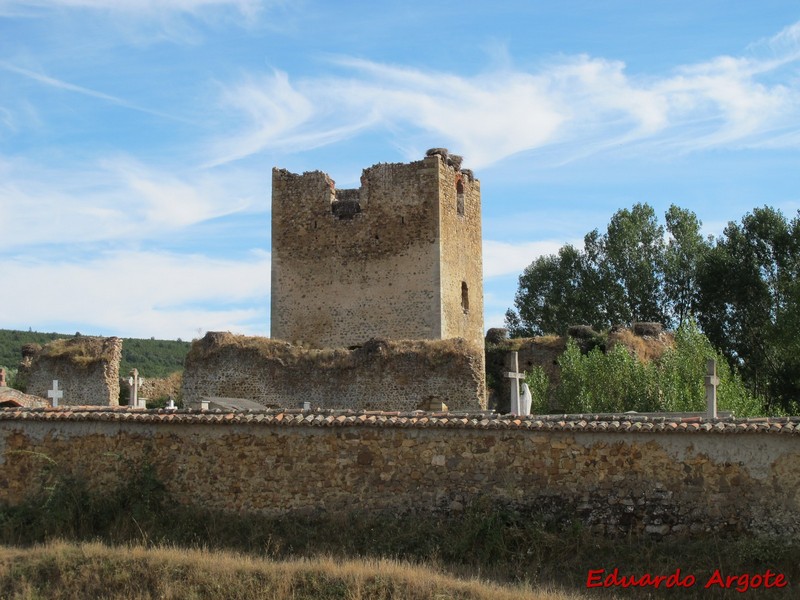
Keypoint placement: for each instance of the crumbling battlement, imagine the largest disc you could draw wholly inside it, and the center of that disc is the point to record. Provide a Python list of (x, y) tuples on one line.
[(87, 370), (397, 258), (403, 375)]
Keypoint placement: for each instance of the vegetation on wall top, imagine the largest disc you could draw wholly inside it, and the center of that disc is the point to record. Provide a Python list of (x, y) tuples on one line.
[(153, 358), (80, 350), (435, 351)]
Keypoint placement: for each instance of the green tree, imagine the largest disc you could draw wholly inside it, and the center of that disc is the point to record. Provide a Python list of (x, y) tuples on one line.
[(749, 302), (616, 278), (554, 292), (633, 250), (614, 381), (684, 253), (742, 288)]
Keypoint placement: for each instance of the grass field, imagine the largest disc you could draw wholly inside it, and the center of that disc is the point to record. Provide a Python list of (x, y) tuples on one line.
[(137, 542), (61, 570)]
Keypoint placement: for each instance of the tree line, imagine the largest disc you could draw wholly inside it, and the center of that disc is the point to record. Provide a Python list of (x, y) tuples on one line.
[(742, 288), (153, 358)]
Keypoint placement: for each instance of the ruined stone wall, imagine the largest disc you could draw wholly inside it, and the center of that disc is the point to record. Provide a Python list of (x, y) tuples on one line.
[(378, 261), (341, 278), (155, 388), (381, 375), (616, 477), (87, 370)]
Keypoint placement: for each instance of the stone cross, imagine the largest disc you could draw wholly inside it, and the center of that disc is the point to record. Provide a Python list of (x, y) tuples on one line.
[(712, 381), (56, 394), (516, 376), (135, 382)]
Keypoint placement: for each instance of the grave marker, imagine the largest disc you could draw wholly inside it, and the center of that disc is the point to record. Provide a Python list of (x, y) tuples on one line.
[(55, 394), (135, 382), (712, 381), (516, 376)]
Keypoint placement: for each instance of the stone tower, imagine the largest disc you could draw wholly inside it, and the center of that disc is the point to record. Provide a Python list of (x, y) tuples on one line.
[(398, 258)]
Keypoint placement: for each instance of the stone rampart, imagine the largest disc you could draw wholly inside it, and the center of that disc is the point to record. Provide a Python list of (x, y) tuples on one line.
[(380, 375), (618, 476), (87, 370)]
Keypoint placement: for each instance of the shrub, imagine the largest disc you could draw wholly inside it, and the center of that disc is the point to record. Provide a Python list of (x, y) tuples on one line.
[(616, 381), (539, 384)]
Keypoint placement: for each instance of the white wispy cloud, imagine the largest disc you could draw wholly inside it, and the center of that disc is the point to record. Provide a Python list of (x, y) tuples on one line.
[(144, 22), (505, 258), (246, 7), (274, 115), (494, 319), (116, 199), (70, 87), (137, 293), (577, 105)]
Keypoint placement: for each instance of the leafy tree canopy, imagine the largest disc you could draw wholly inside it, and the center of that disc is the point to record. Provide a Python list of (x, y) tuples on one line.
[(632, 272), (742, 288)]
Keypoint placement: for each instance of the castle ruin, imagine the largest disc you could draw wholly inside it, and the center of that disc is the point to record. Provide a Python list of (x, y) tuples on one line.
[(86, 367), (398, 258), (357, 270)]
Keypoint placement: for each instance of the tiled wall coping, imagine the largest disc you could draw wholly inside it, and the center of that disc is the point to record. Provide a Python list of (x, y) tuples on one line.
[(623, 423)]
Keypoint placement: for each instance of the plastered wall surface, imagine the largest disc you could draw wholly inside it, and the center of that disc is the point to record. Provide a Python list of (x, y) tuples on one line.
[(660, 483)]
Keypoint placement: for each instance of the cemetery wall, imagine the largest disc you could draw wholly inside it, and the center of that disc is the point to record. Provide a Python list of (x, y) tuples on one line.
[(86, 367), (396, 258), (380, 375), (157, 388), (651, 476)]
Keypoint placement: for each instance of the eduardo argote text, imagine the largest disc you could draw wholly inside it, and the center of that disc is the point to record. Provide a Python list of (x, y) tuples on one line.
[(741, 582)]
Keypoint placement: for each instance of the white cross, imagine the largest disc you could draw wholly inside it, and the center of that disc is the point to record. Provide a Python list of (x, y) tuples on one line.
[(135, 382), (56, 394), (712, 381), (516, 407)]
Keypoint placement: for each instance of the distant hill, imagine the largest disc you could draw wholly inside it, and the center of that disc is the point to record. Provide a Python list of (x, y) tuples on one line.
[(153, 358)]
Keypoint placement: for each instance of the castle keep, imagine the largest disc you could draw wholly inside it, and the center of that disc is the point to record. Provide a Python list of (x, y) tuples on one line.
[(377, 296), (398, 258)]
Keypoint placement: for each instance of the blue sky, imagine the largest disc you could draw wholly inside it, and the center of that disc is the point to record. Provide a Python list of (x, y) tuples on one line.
[(137, 137)]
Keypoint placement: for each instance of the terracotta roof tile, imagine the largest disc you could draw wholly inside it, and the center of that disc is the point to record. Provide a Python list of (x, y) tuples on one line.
[(414, 419)]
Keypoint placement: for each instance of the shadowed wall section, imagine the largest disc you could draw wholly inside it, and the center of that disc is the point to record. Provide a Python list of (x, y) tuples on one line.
[(653, 476)]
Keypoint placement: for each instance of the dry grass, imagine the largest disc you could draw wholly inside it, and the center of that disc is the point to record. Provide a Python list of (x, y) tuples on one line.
[(645, 349), (81, 351), (434, 351), (65, 571)]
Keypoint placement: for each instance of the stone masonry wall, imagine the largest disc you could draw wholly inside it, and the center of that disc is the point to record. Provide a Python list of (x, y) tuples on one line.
[(386, 260), (461, 255), (155, 388), (339, 279), (617, 477), (394, 375), (87, 370)]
